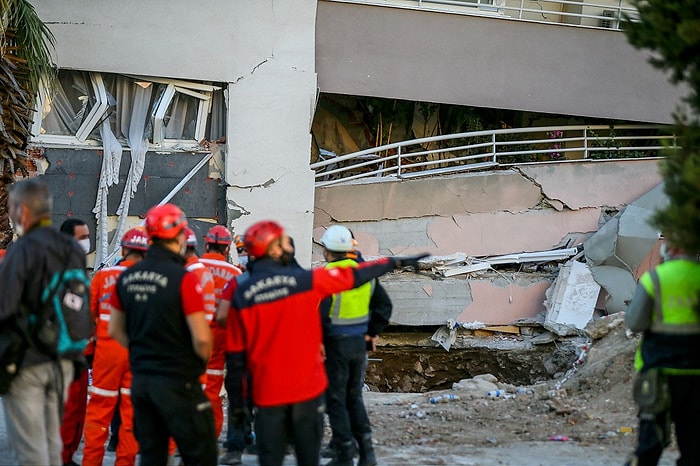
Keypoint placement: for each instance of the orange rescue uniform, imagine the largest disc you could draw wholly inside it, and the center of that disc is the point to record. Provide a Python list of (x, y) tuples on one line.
[(111, 379), (223, 272), (208, 293)]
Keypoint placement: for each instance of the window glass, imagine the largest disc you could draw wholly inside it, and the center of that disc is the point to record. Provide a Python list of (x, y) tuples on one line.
[(68, 105)]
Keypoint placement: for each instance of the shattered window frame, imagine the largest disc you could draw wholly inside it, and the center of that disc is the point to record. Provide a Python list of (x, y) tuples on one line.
[(100, 107), (96, 103)]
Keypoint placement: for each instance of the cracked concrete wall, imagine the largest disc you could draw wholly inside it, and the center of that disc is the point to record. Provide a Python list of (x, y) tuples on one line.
[(269, 177), (528, 209), (263, 49)]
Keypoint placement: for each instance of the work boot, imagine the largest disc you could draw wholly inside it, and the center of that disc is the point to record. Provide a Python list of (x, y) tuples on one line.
[(231, 457), (344, 452), (329, 450), (367, 457)]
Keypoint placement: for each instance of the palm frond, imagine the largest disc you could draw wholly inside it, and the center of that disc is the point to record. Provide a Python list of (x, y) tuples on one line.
[(34, 43)]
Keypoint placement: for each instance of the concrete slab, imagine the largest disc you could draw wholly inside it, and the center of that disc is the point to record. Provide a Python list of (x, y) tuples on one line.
[(570, 183), (497, 302), (417, 302), (618, 283), (571, 299)]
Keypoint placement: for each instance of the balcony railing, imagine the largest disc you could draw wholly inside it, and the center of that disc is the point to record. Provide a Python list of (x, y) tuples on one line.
[(606, 14), (494, 149)]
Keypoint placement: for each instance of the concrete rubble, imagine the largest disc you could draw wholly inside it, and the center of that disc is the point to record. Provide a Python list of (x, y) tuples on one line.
[(599, 275)]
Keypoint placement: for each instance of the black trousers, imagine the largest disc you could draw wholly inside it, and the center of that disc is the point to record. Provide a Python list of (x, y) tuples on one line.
[(300, 424), (346, 362), (240, 407), (165, 407), (684, 413)]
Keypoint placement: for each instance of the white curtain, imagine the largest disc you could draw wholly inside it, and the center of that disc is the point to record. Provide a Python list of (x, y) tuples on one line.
[(109, 176), (138, 142)]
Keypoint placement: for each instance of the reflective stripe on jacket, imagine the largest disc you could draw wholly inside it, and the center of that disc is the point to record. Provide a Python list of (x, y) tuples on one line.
[(350, 307), (672, 341)]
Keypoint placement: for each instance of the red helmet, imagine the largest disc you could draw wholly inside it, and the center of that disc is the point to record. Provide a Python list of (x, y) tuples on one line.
[(165, 221), (190, 237), (260, 235), (135, 238), (218, 234)]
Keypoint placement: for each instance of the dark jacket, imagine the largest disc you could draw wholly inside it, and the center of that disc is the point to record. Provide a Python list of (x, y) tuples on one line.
[(150, 294), (25, 273)]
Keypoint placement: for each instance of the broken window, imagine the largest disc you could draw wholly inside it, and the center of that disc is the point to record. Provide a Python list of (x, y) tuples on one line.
[(178, 118)]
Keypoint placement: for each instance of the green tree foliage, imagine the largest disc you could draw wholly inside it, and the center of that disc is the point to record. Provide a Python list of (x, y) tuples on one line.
[(670, 29), (25, 61)]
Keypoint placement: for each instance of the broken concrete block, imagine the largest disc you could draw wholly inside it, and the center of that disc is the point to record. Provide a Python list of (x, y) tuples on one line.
[(445, 337), (488, 377), (476, 386), (543, 338), (620, 285), (571, 299), (598, 328)]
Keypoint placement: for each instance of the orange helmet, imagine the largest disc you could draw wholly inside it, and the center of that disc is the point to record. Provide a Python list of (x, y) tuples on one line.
[(136, 238), (190, 237), (239, 242), (165, 221), (259, 236), (218, 234)]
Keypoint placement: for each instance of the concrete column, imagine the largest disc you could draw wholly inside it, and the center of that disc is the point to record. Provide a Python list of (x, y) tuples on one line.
[(270, 109)]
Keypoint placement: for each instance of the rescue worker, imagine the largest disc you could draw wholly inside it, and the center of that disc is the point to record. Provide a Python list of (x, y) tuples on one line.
[(666, 308), (193, 264), (242, 252), (352, 321), (217, 244), (277, 317), (111, 376), (158, 313), (239, 434), (73, 421)]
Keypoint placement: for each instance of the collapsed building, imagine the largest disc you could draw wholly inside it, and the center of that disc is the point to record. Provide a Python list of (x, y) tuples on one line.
[(521, 261), (219, 120)]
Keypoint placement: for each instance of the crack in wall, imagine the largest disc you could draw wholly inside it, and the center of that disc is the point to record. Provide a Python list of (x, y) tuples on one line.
[(545, 198), (255, 68), (250, 187), (235, 211)]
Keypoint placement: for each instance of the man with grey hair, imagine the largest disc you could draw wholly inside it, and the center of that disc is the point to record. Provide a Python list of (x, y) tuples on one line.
[(34, 403)]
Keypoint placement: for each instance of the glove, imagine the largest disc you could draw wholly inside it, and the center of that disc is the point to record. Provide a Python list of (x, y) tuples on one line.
[(409, 261)]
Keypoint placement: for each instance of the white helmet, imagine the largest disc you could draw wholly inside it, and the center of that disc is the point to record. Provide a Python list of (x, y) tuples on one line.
[(337, 238)]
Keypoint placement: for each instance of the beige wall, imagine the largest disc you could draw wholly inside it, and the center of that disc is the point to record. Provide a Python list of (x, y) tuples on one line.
[(527, 209)]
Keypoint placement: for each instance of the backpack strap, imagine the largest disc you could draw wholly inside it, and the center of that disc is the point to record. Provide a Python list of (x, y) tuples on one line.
[(64, 268)]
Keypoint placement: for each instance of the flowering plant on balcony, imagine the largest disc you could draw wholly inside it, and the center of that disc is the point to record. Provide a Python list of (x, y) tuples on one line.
[(556, 144)]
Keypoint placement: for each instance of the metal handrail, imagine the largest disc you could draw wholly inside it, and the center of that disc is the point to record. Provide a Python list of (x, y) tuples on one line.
[(492, 149), (602, 14)]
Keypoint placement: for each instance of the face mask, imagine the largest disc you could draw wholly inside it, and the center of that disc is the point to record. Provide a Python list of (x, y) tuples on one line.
[(85, 244), (286, 257), (242, 261)]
